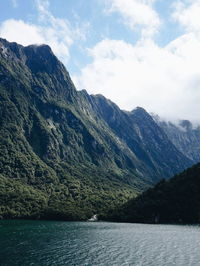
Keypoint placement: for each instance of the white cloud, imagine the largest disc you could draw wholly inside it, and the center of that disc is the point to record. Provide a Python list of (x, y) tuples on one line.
[(21, 32), (43, 5), (56, 32), (137, 13), (165, 80), (187, 14), (26, 33)]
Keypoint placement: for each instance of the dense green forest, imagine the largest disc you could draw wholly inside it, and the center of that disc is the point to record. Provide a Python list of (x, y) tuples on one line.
[(173, 201), (61, 202)]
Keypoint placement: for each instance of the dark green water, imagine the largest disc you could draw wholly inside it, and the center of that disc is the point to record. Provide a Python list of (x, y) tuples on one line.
[(65, 243)]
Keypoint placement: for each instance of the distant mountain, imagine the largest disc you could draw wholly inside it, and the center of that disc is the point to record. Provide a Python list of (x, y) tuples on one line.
[(66, 154), (184, 135), (174, 201)]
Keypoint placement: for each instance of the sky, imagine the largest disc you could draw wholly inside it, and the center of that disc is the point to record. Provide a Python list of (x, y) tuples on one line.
[(135, 52)]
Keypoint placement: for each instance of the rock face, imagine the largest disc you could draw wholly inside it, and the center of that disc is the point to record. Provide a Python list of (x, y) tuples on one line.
[(184, 135), (78, 152), (144, 138)]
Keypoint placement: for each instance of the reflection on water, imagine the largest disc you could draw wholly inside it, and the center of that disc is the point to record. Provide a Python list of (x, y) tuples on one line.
[(75, 243)]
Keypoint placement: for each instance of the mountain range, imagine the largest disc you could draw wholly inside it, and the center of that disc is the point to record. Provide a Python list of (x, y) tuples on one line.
[(66, 154), (184, 135)]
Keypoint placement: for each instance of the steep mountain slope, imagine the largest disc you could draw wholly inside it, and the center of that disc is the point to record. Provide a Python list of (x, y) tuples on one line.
[(184, 136), (65, 146), (49, 142), (144, 137), (173, 201)]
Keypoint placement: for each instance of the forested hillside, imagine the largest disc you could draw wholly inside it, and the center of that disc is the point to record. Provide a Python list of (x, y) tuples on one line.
[(174, 201)]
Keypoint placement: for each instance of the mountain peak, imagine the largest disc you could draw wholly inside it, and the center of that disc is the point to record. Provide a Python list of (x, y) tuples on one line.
[(39, 58), (36, 47), (186, 124), (141, 113), (43, 50), (139, 109)]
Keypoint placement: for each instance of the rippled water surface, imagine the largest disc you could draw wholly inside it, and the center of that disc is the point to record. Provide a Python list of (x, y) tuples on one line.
[(75, 243)]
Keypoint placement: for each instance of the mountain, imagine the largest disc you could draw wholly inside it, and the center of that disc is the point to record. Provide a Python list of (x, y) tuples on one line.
[(184, 135), (144, 138), (66, 154), (174, 201)]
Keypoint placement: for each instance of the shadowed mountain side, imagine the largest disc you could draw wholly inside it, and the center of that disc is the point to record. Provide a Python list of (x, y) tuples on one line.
[(174, 201)]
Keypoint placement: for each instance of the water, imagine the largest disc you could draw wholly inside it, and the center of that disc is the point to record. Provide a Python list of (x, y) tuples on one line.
[(64, 243)]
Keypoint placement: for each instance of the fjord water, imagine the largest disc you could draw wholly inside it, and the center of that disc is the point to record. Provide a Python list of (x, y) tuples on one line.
[(85, 243)]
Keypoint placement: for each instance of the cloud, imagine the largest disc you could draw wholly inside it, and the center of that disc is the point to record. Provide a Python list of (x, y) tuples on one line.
[(43, 6), (21, 32), (56, 32), (136, 13), (187, 14), (164, 80)]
